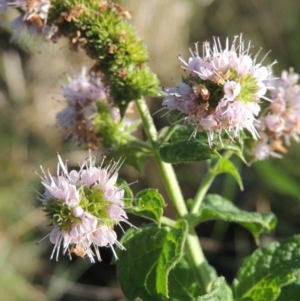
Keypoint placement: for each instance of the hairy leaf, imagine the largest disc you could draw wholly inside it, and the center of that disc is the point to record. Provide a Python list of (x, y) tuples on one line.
[(219, 291), (215, 207), (149, 203), (187, 151), (188, 145), (183, 285), (143, 269), (267, 270)]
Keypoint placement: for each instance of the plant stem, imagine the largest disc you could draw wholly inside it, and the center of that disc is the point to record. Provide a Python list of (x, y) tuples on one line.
[(167, 221), (194, 252), (205, 185), (137, 142)]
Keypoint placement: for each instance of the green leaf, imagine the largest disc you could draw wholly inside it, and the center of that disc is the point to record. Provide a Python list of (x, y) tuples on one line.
[(182, 282), (226, 166), (236, 148), (267, 270), (190, 146), (187, 132), (290, 293), (215, 207), (187, 151), (149, 203), (183, 285), (219, 291), (144, 268)]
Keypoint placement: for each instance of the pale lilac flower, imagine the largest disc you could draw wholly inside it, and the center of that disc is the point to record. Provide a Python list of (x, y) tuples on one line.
[(83, 87), (83, 206), (222, 90), (82, 93), (33, 18), (181, 98), (280, 122)]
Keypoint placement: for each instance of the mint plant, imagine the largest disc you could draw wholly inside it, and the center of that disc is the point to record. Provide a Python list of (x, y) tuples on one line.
[(227, 104)]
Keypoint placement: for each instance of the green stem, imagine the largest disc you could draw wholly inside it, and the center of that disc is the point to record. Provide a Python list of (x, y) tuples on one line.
[(205, 185), (137, 142), (194, 252), (167, 222)]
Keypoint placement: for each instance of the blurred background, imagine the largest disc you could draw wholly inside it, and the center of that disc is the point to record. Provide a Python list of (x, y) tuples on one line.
[(31, 74)]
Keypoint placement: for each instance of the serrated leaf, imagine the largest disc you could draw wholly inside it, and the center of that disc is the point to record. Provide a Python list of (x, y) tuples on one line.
[(219, 291), (183, 285), (143, 269), (215, 207), (187, 151), (267, 270), (149, 203), (226, 166)]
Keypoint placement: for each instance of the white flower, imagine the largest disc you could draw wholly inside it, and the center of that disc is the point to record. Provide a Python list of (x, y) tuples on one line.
[(83, 206), (222, 90)]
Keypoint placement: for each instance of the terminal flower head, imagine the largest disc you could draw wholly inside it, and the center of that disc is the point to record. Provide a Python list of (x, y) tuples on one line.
[(83, 207), (221, 89)]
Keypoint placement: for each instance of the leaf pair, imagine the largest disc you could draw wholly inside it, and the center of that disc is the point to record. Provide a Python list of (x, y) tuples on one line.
[(154, 269)]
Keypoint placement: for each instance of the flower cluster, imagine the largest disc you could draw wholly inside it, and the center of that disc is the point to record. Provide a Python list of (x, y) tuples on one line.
[(83, 206), (90, 117), (280, 122), (221, 90), (82, 93), (33, 18)]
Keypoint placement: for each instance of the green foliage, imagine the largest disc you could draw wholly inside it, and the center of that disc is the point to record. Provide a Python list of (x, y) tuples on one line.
[(149, 204), (267, 270), (187, 151), (110, 40), (182, 282), (189, 145), (290, 293), (215, 207), (225, 166), (143, 270), (183, 285), (219, 291)]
